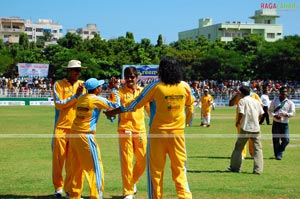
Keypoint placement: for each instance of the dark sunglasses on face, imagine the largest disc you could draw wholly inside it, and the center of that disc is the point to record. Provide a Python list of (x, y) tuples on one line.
[(75, 69), (130, 77)]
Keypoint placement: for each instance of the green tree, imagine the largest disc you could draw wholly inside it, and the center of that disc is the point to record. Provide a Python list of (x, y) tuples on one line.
[(219, 63), (24, 41), (98, 47), (31, 56), (6, 61), (159, 42), (71, 40), (280, 59), (142, 56), (40, 43), (2, 44), (129, 35), (48, 36)]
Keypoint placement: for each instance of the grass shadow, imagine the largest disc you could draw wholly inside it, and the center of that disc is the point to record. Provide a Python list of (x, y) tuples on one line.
[(11, 196), (208, 171), (117, 197), (218, 171), (209, 157)]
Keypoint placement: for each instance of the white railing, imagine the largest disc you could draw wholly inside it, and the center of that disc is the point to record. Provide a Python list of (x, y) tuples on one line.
[(35, 94)]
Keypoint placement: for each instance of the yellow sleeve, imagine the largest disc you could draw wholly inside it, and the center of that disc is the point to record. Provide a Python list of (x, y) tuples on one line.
[(64, 95)]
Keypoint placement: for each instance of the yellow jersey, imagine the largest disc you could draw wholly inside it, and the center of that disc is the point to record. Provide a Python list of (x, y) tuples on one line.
[(88, 109), (206, 101), (167, 106), (65, 99), (132, 121)]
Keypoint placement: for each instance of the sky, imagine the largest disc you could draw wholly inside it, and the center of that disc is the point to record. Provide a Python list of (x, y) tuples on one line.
[(147, 18)]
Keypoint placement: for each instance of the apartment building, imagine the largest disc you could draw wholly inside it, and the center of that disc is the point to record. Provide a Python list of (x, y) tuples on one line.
[(264, 24), (36, 31), (11, 28), (87, 32)]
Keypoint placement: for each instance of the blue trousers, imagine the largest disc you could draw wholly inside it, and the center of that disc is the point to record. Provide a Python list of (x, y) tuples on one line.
[(281, 138)]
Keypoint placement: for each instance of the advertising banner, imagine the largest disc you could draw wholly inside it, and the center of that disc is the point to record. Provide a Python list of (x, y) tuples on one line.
[(33, 70), (146, 73)]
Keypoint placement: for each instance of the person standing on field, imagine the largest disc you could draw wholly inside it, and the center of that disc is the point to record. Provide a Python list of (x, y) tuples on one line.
[(281, 109), (234, 101), (206, 102), (85, 156), (168, 98), (65, 95), (249, 114), (132, 134), (266, 103)]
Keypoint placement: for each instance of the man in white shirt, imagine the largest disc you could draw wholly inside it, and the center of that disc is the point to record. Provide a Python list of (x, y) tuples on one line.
[(250, 111), (281, 108), (266, 103)]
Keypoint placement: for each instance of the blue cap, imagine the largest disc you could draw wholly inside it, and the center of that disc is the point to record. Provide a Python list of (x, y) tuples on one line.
[(93, 83)]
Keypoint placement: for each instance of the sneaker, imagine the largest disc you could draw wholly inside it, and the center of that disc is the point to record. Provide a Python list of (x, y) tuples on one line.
[(278, 157), (129, 197), (58, 193), (134, 189)]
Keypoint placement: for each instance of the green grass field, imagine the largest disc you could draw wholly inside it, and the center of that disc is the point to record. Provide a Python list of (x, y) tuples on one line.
[(25, 159)]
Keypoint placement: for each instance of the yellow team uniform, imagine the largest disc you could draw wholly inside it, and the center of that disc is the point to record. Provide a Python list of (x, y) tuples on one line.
[(65, 99), (235, 102), (189, 115), (132, 140), (167, 123), (206, 102), (85, 156)]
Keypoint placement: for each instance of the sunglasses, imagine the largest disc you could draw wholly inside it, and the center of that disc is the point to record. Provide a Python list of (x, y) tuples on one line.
[(75, 69), (130, 77)]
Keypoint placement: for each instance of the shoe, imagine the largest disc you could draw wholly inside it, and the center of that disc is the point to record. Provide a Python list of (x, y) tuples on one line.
[(254, 172), (233, 170), (58, 193), (201, 124), (134, 189), (129, 197), (278, 157), (208, 125)]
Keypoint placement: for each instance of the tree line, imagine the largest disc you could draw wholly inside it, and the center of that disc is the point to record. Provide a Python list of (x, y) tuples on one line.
[(250, 57)]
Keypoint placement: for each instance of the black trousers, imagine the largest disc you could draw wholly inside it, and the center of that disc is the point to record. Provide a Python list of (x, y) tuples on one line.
[(265, 116)]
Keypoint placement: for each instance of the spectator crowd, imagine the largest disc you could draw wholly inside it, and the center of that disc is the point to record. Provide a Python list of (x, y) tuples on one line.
[(224, 89)]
